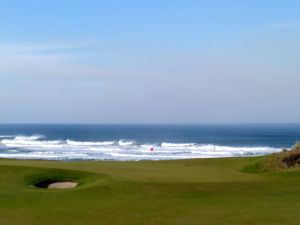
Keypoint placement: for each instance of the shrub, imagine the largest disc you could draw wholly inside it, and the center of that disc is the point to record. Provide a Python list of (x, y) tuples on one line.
[(283, 160)]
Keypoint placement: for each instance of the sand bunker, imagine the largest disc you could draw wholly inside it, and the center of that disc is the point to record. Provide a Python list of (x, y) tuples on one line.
[(62, 185)]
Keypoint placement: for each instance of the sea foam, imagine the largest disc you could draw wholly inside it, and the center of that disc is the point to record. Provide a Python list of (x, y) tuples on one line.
[(38, 147)]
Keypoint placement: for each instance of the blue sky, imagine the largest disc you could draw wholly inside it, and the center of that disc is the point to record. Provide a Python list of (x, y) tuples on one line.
[(149, 61)]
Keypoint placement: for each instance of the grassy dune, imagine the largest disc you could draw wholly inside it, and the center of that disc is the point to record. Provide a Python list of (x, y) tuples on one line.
[(225, 191)]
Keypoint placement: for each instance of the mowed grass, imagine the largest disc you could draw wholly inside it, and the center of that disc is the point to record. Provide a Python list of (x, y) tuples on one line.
[(225, 191)]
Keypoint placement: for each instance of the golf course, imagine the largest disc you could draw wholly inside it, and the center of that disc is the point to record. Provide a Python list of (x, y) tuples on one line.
[(226, 191)]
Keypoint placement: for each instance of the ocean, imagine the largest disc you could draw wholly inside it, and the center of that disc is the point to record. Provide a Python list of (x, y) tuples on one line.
[(144, 142)]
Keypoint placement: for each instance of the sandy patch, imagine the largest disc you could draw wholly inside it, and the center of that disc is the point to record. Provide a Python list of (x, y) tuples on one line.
[(62, 185)]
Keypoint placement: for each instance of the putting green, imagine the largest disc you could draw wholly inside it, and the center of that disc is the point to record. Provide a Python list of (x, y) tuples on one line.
[(201, 191)]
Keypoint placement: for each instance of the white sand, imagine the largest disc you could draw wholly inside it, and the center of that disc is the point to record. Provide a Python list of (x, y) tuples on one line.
[(62, 185)]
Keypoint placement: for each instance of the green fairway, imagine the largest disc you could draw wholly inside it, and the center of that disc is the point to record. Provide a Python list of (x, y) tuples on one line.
[(201, 191)]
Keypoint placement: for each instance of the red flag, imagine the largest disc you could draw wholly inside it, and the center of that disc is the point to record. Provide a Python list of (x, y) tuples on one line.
[(152, 149)]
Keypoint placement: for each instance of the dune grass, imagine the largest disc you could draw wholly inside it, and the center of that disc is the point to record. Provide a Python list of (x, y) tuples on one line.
[(225, 191), (283, 160)]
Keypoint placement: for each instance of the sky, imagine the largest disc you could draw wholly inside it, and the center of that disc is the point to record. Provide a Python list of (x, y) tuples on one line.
[(158, 61)]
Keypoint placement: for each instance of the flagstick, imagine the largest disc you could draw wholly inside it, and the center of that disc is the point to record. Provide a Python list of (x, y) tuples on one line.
[(152, 150)]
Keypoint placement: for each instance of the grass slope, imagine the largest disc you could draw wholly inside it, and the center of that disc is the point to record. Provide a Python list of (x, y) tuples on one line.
[(201, 191)]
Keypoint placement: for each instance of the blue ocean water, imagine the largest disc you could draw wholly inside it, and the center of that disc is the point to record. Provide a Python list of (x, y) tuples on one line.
[(134, 142)]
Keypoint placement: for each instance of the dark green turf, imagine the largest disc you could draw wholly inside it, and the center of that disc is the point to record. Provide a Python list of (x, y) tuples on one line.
[(203, 191)]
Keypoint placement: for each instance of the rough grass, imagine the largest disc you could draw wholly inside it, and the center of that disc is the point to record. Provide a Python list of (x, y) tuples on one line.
[(286, 159), (184, 192)]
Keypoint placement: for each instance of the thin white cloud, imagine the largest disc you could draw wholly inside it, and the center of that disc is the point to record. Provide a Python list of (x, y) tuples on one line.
[(27, 59), (30, 48), (283, 26)]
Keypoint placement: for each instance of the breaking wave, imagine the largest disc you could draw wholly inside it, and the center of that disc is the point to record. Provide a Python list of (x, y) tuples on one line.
[(38, 147)]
